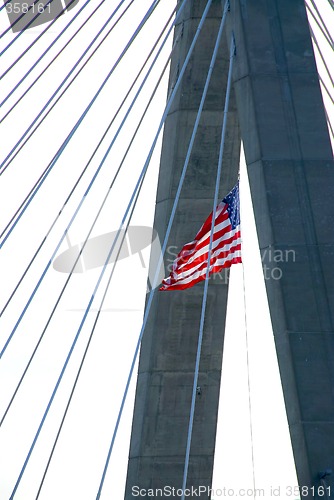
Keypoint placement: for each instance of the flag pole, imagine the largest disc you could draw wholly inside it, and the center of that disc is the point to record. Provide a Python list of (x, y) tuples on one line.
[(206, 283)]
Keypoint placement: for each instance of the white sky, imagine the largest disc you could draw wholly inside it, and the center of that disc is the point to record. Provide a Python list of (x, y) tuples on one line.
[(80, 455)]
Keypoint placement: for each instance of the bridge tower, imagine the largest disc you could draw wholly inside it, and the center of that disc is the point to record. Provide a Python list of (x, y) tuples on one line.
[(277, 109)]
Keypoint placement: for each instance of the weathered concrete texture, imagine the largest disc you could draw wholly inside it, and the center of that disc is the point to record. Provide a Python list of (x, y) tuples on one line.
[(168, 352), (291, 172)]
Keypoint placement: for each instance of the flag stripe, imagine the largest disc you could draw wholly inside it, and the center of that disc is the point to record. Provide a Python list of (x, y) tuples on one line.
[(188, 252), (221, 238), (235, 258), (219, 259), (203, 257), (191, 264), (219, 232), (204, 232)]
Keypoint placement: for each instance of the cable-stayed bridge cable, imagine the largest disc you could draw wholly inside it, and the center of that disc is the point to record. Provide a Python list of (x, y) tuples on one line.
[(3, 164), (329, 40), (251, 430), (31, 6), (125, 216), (326, 89), (325, 31), (215, 203), (329, 124), (39, 12), (89, 340), (4, 5), (21, 32), (163, 249), (77, 210), (88, 163), (61, 149), (42, 177), (322, 56), (44, 53), (68, 356), (46, 172), (86, 239), (73, 344), (21, 209)]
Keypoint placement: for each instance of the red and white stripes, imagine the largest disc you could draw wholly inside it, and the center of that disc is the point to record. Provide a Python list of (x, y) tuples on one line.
[(190, 266)]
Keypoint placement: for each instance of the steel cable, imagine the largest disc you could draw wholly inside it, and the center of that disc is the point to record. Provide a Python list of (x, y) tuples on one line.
[(125, 217), (84, 243), (324, 29), (3, 165), (21, 32), (329, 40), (326, 89), (163, 249), (321, 55), (206, 282), (103, 298), (44, 53), (20, 211), (19, 18), (4, 5), (72, 219), (86, 166)]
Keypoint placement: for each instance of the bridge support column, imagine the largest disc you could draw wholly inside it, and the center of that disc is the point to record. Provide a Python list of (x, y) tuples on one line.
[(168, 352), (291, 172)]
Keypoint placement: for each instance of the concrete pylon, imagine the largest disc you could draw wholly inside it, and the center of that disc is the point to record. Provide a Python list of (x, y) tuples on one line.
[(291, 172), (290, 166)]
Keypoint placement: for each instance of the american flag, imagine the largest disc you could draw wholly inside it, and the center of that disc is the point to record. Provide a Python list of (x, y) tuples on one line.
[(190, 266)]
